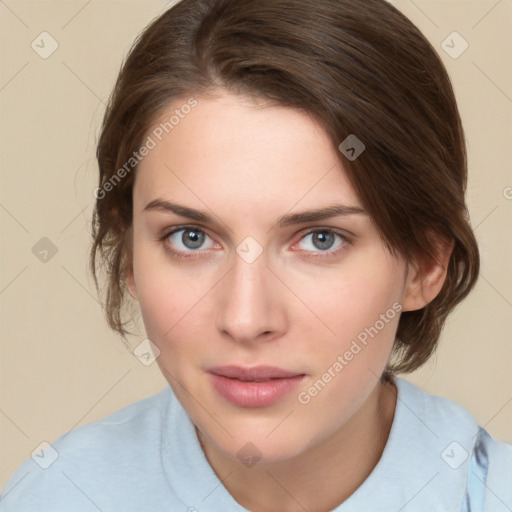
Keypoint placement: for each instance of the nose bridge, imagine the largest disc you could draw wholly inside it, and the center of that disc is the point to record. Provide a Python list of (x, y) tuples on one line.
[(250, 302), (250, 277)]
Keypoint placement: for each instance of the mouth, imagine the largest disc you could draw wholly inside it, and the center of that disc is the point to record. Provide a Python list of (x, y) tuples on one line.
[(259, 386), (255, 374)]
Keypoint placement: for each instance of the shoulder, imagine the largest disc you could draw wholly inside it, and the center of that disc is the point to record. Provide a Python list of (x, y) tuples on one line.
[(489, 482), (439, 411), (122, 428), (443, 416), (91, 461), (483, 463)]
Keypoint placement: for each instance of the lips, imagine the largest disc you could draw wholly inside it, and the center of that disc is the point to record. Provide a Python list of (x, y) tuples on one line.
[(259, 386), (254, 374)]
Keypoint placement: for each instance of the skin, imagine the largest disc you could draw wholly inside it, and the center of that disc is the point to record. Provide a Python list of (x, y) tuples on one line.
[(246, 164)]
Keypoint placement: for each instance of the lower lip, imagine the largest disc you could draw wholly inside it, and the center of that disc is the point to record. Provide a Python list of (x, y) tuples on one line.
[(254, 394)]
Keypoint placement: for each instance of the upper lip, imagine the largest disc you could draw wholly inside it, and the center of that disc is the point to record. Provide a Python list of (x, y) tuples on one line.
[(253, 373)]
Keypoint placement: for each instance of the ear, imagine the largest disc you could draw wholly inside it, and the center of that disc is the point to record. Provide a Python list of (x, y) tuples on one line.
[(129, 277), (426, 276), (130, 283)]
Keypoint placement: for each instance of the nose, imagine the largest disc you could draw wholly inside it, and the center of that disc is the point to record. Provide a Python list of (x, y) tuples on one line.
[(251, 306)]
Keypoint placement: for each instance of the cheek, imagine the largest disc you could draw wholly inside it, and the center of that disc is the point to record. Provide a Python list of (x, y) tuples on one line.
[(160, 291), (363, 310), (171, 298), (349, 302), (167, 308), (164, 288)]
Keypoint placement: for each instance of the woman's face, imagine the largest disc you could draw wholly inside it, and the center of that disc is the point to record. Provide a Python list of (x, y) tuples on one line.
[(248, 284)]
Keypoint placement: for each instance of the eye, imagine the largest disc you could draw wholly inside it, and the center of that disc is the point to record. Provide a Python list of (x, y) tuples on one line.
[(323, 240), (186, 240)]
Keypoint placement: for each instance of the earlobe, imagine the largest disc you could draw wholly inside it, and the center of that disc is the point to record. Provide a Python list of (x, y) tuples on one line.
[(130, 284), (425, 277), (129, 277)]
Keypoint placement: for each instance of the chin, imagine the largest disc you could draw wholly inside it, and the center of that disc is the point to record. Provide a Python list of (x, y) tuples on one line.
[(251, 444)]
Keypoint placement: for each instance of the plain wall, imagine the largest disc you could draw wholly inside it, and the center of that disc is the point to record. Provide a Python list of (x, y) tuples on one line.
[(61, 367)]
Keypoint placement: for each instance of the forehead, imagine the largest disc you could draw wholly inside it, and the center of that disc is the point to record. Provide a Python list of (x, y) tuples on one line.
[(233, 154)]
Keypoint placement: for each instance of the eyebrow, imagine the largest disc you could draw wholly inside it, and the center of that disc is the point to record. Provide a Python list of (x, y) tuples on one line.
[(335, 210)]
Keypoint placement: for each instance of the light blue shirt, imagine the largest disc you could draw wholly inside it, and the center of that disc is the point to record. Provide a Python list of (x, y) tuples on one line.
[(146, 457)]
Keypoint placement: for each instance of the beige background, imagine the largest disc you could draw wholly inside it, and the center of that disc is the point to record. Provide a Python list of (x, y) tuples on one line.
[(60, 365)]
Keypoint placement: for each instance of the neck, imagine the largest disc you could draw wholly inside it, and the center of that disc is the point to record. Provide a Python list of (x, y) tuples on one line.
[(324, 476)]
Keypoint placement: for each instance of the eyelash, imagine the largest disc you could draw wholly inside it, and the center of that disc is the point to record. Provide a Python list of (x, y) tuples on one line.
[(196, 254)]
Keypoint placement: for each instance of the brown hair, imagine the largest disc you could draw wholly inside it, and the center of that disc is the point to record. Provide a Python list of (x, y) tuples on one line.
[(359, 67)]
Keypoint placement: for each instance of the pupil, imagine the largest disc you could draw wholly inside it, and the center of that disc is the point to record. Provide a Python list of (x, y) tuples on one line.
[(193, 240), (325, 240)]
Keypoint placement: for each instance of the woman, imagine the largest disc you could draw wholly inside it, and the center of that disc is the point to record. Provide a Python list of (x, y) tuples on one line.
[(282, 191)]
